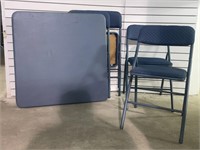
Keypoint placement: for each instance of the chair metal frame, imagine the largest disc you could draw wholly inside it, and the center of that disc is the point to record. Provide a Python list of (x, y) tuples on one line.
[(116, 24), (188, 33), (136, 30)]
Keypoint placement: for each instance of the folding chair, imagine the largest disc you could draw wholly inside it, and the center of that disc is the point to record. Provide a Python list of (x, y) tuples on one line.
[(132, 34), (182, 36), (115, 50), (107, 18)]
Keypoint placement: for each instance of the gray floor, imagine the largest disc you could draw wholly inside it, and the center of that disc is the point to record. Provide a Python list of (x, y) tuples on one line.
[(96, 125)]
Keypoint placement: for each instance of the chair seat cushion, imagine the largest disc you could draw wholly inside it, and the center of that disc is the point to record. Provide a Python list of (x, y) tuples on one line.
[(150, 61), (160, 72)]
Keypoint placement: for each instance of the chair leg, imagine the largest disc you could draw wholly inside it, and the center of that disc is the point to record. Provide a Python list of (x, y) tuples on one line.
[(119, 83), (171, 95), (119, 76), (135, 95), (161, 87), (126, 103), (109, 82), (184, 111), (125, 76)]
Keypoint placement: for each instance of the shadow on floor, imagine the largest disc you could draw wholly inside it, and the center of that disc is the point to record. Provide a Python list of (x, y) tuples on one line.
[(84, 126)]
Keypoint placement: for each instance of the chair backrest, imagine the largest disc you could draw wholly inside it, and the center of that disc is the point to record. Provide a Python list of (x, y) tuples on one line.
[(115, 38), (104, 13), (133, 32), (115, 19), (167, 35)]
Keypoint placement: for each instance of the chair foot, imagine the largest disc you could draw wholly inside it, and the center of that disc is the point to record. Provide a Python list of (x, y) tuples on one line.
[(123, 114), (121, 127), (126, 104), (180, 141)]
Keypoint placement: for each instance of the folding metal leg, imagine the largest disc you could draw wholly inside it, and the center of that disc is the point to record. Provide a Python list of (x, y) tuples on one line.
[(171, 95), (183, 119), (108, 61), (126, 103), (169, 59), (125, 76), (136, 86), (184, 112), (119, 75), (119, 60), (119, 82), (161, 87)]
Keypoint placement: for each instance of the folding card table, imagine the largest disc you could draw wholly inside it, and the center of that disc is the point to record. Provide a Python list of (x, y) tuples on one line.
[(60, 58)]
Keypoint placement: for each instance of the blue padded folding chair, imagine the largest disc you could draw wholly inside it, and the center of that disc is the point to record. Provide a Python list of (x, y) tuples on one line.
[(132, 34), (116, 24), (182, 36), (107, 17)]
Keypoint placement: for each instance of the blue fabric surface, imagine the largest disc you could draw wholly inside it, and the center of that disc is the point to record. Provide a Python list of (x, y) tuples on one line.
[(160, 72), (133, 32), (150, 61), (104, 13), (167, 35), (115, 19)]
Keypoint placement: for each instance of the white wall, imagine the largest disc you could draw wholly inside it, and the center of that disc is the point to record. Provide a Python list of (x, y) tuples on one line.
[(175, 12), (195, 80)]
